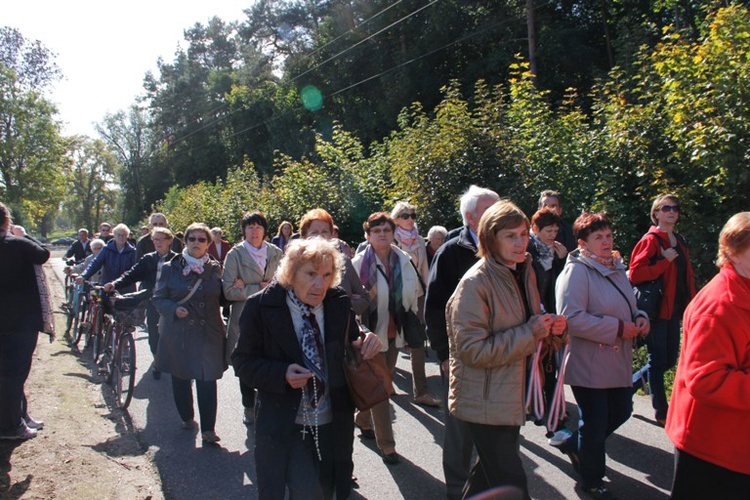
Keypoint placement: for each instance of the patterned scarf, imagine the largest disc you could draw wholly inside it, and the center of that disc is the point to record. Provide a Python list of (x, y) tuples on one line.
[(406, 238), (312, 349), (610, 262), (368, 275), (192, 264), (546, 253)]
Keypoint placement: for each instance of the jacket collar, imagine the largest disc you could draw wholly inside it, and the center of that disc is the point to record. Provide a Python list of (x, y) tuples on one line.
[(738, 288), (465, 240), (576, 256)]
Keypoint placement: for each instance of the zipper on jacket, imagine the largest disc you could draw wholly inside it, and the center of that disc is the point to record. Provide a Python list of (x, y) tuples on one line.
[(487, 376)]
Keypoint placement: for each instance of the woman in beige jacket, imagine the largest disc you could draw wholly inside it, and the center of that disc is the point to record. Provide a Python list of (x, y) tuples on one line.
[(494, 323), (248, 268)]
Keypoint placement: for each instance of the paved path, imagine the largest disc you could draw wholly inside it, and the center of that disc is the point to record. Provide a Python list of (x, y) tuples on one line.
[(639, 455)]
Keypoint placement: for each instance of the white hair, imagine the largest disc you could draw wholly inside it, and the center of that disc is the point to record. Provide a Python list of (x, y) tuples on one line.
[(470, 198)]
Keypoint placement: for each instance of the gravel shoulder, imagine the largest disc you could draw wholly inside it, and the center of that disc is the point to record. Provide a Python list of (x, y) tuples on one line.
[(88, 448)]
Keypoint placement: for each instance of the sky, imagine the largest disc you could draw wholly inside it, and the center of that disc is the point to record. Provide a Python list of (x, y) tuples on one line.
[(104, 49)]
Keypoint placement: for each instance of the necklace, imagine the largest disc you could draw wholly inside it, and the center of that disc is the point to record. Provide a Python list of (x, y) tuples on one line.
[(307, 408)]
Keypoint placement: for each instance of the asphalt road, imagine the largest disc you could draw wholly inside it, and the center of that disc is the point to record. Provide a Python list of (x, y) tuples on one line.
[(639, 455)]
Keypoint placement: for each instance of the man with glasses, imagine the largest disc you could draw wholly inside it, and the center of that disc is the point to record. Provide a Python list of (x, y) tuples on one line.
[(147, 271), (144, 244), (105, 232)]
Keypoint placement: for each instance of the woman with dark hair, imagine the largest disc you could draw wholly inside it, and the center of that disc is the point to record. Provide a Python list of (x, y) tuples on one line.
[(663, 254), (594, 294), (20, 323), (283, 235), (291, 348), (707, 421), (495, 321), (393, 288), (548, 259), (191, 330), (248, 268)]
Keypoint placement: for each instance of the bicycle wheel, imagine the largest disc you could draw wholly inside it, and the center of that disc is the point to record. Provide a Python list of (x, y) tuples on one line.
[(124, 370), (78, 318)]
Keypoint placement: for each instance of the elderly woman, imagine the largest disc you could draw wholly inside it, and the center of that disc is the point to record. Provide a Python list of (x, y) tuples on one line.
[(408, 239), (319, 223), (594, 294), (284, 235), (21, 313), (393, 288), (116, 257), (191, 331), (495, 321), (291, 348), (248, 268), (663, 254), (435, 239), (707, 421)]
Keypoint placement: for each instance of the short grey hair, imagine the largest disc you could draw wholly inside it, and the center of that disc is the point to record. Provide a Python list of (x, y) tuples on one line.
[(470, 199), (97, 243), (437, 230)]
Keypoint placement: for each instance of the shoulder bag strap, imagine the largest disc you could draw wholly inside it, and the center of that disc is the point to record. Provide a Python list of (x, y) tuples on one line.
[(190, 294), (632, 313)]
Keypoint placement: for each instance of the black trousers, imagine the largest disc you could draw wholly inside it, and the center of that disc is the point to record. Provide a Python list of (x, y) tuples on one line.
[(16, 350), (152, 323), (499, 462), (336, 449), (695, 478), (248, 395), (182, 391)]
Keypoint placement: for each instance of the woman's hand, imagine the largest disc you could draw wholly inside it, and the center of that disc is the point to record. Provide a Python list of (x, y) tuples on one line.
[(669, 253), (643, 325), (630, 330), (264, 284), (559, 325), (369, 347), (297, 376), (181, 312), (560, 250), (540, 325), (238, 283)]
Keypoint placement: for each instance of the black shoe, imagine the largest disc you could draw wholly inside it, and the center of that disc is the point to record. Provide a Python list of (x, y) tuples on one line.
[(599, 492), (391, 458), (20, 433), (574, 460), (156, 374), (366, 433), (36, 425)]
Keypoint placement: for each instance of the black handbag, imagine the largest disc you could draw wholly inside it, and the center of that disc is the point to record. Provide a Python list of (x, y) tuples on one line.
[(648, 294), (414, 330)]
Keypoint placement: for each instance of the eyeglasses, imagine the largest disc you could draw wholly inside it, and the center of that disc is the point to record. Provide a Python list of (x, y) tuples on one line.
[(159, 224), (193, 239), (408, 216), (670, 208), (378, 230)]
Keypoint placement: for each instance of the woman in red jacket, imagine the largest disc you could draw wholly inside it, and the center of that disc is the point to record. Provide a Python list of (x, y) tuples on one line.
[(663, 253), (710, 403)]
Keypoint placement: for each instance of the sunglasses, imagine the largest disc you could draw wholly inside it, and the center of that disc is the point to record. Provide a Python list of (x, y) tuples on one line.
[(412, 215), (193, 239), (670, 208)]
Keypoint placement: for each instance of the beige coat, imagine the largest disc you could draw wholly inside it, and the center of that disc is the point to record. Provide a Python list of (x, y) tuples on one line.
[(239, 264), (489, 343)]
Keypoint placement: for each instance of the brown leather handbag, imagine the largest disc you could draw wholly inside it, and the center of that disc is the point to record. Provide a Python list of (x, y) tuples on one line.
[(369, 380)]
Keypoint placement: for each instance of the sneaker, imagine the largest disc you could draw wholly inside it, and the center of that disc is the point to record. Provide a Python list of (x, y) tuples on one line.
[(391, 458), (428, 400), (249, 417), (21, 433), (559, 438), (189, 424), (599, 492), (210, 437), (36, 425)]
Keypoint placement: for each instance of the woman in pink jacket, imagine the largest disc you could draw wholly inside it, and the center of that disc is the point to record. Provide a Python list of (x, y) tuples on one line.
[(707, 421)]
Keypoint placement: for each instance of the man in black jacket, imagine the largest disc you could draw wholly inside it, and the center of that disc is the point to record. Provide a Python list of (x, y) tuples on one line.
[(80, 247), (449, 264), (144, 244), (147, 271)]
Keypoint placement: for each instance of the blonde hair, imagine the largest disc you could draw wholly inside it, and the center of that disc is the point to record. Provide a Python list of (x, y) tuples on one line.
[(659, 202), (317, 250), (501, 215), (734, 238)]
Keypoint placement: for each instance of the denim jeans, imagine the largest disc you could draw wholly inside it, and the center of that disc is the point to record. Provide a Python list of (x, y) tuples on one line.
[(602, 412), (663, 343)]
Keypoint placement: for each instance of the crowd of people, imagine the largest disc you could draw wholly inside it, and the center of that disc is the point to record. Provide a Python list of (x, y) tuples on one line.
[(492, 295)]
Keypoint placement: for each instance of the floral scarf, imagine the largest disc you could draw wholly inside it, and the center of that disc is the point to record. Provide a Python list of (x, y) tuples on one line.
[(192, 264), (611, 262), (406, 238), (545, 252)]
